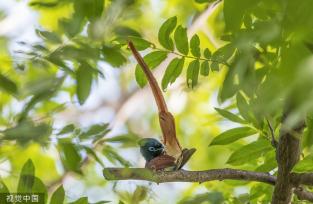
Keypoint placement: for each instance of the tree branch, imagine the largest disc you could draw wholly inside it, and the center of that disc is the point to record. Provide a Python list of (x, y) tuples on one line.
[(186, 176), (143, 174), (303, 194), (302, 178), (288, 154)]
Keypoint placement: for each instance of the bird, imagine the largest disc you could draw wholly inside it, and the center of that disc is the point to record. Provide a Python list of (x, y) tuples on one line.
[(168, 154)]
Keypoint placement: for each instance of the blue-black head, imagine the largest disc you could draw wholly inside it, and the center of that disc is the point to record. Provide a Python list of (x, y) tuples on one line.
[(150, 148)]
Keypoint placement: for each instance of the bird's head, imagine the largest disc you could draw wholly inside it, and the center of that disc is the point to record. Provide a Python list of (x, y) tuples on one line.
[(150, 148)]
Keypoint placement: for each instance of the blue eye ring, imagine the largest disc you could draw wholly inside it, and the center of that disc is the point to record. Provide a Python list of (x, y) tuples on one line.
[(151, 149)]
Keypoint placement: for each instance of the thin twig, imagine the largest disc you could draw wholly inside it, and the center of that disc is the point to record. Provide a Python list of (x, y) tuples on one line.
[(273, 141)]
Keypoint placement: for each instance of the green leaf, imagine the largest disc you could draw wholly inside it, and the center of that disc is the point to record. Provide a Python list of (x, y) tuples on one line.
[(127, 140), (7, 85), (102, 202), (195, 45), (152, 59), (215, 66), (67, 129), (181, 40), (3, 188), (305, 165), (222, 54), (229, 88), (70, 156), (243, 107), (83, 200), (49, 36), (269, 164), (165, 31), (209, 198), (42, 89), (207, 53), (249, 152), (40, 188), (93, 155), (113, 56), (140, 44), (95, 130), (58, 196), (27, 178), (232, 135), (234, 11), (140, 194), (230, 116), (113, 156), (172, 71), (205, 68), (26, 131), (193, 73), (84, 82), (72, 26)]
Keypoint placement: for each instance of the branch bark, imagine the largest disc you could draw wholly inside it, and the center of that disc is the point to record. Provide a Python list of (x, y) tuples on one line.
[(186, 176), (288, 154), (143, 174)]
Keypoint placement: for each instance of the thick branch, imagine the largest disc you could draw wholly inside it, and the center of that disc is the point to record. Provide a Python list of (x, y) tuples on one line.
[(303, 194), (143, 174), (302, 178), (288, 153), (186, 176)]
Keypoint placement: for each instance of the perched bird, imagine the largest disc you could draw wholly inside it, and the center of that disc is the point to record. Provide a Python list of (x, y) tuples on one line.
[(159, 156), (156, 157)]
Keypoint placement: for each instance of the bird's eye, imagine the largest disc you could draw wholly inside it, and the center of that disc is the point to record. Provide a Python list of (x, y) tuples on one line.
[(151, 149)]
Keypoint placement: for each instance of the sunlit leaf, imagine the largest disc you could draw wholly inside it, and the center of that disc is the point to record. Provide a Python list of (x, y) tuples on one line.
[(127, 140), (7, 84), (193, 73), (215, 66), (26, 131), (140, 44), (3, 188), (269, 164), (234, 11), (27, 178), (93, 154), (195, 45), (153, 59), (84, 82), (72, 26), (83, 200), (232, 135), (66, 129), (70, 156), (230, 116), (207, 53), (95, 130), (58, 196), (49, 36), (211, 198), (243, 107), (305, 165), (181, 40), (113, 56), (249, 152), (205, 68), (172, 71), (165, 31), (140, 194), (113, 156)]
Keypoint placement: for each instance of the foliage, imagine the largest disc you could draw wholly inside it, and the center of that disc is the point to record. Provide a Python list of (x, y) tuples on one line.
[(257, 58)]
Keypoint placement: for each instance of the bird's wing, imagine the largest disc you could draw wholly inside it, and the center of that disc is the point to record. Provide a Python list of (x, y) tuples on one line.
[(163, 162), (166, 119)]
